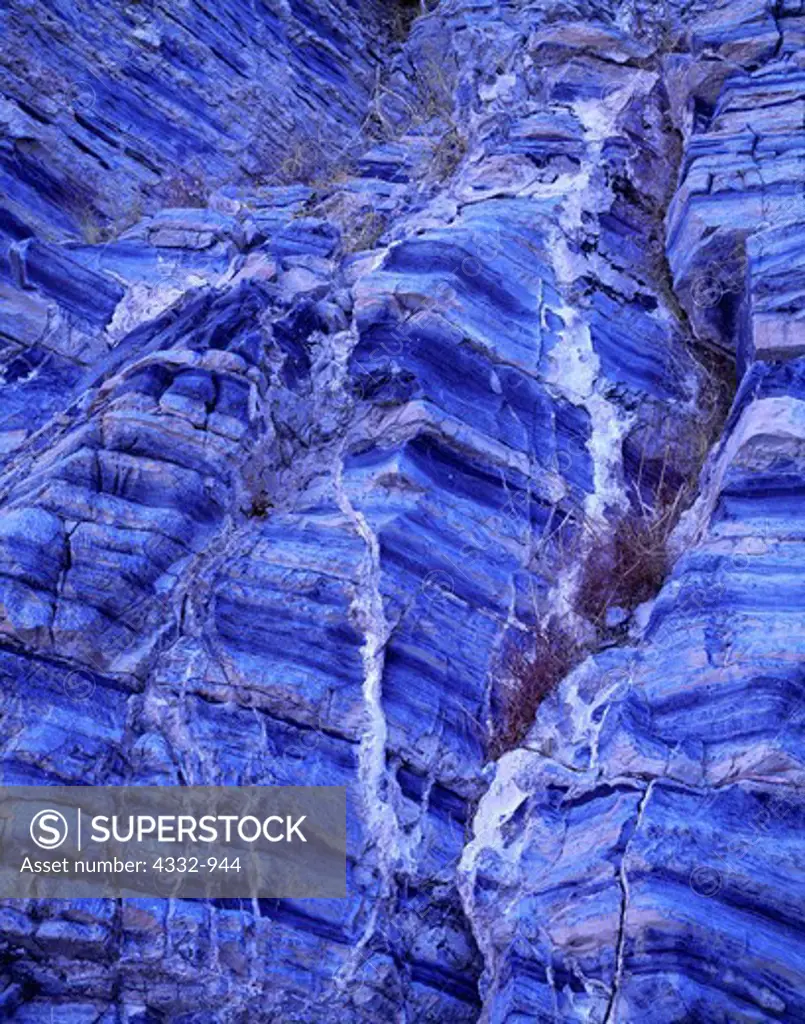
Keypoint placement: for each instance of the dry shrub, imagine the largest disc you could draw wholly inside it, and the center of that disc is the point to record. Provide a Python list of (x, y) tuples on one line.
[(364, 232), (97, 228), (434, 80), (628, 567), (183, 188), (303, 162), (447, 154), (531, 667), (396, 112), (631, 566)]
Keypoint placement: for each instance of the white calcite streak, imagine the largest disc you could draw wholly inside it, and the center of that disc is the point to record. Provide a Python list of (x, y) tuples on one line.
[(335, 337)]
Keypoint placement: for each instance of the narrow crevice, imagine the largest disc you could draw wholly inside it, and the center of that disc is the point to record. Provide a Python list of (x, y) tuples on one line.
[(623, 882)]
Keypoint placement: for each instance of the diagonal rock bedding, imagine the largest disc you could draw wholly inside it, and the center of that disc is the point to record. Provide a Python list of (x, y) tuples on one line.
[(341, 344)]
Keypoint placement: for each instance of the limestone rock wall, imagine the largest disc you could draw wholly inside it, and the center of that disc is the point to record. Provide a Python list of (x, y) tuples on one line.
[(328, 417)]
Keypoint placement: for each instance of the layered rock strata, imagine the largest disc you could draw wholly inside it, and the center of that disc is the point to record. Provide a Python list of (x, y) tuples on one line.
[(285, 476)]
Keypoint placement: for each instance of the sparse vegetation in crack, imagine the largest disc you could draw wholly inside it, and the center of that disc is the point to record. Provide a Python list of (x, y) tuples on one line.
[(532, 665), (618, 565), (427, 97), (627, 564), (363, 231), (447, 154), (183, 188), (308, 161)]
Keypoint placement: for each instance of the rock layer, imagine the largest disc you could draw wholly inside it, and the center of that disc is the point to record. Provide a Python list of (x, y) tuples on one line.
[(285, 476)]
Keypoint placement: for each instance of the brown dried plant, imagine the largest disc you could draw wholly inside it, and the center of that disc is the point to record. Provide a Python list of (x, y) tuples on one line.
[(532, 665)]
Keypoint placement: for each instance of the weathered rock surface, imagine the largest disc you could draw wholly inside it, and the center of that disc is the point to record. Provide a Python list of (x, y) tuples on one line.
[(637, 859), (283, 475), (107, 109)]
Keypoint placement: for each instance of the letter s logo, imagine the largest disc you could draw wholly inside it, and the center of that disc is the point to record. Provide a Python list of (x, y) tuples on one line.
[(49, 829)]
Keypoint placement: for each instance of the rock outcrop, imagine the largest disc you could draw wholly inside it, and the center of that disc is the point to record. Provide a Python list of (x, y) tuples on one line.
[(335, 355)]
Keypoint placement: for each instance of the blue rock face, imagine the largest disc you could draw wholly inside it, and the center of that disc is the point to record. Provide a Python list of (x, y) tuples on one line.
[(109, 110), (337, 341)]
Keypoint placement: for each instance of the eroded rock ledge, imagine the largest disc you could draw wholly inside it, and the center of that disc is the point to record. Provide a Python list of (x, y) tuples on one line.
[(285, 474)]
